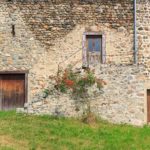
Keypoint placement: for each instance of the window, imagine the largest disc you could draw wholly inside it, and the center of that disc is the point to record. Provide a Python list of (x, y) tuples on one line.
[(93, 48), (94, 43)]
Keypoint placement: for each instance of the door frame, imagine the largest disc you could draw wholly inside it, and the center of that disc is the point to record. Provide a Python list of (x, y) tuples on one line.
[(25, 72)]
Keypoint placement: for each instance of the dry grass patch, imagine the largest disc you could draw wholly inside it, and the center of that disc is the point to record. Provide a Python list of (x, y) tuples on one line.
[(9, 142)]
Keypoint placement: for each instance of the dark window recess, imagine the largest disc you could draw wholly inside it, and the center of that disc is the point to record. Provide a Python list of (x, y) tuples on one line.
[(94, 43), (13, 30)]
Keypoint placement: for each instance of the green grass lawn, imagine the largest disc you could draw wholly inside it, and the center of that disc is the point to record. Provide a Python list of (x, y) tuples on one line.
[(22, 132)]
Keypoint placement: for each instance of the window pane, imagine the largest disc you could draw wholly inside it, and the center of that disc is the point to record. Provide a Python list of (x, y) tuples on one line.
[(90, 44), (94, 43), (97, 44)]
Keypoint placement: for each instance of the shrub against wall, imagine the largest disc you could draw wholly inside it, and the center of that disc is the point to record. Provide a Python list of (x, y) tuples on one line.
[(80, 85), (76, 83)]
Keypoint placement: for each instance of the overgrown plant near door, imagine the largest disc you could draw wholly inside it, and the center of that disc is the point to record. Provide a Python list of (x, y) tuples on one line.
[(81, 85)]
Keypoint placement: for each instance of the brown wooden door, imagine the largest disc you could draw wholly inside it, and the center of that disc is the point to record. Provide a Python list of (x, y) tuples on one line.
[(12, 91), (148, 105)]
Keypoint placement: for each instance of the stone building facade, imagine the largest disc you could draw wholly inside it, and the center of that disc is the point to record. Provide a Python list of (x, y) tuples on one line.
[(37, 35)]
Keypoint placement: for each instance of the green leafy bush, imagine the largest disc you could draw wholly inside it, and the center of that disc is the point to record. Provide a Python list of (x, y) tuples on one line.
[(81, 84), (76, 83)]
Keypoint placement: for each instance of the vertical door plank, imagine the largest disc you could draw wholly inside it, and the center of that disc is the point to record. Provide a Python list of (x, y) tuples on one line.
[(1, 96), (148, 105), (20, 91)]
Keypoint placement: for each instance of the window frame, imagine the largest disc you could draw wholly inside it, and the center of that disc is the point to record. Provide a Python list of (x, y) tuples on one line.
[(85, 50)]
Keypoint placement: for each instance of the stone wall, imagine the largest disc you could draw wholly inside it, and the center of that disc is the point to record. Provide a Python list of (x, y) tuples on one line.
[(59, 25), (143, 29), (122, 100), (21, 52), (48, 33)]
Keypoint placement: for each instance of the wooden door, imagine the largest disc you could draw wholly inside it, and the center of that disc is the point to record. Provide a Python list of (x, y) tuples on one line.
[(12, 91), (148, 105)]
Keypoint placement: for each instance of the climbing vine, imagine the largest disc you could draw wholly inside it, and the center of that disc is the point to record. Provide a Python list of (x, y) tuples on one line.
[(75, 83)]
